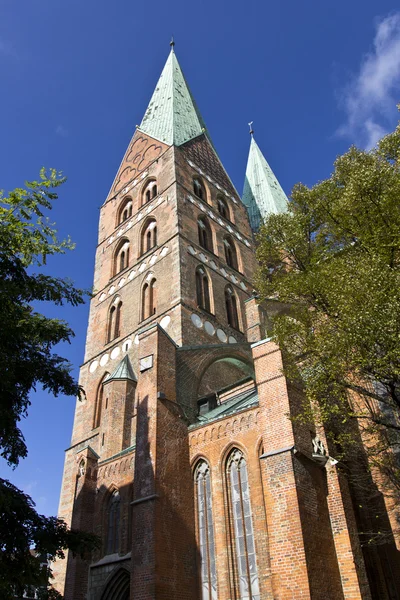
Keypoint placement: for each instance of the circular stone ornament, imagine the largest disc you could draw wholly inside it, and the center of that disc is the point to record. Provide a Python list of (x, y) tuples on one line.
[(104, 360), (115, 352), (209, 328), (165, 321), (221, 335), (197, 322), (126, 345), (93, 366)]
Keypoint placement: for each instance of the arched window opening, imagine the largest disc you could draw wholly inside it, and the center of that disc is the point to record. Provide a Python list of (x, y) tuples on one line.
[(205, 529), (98, 408), (149, 191), (205, 235), (223, 208), (149, 299), (199, 189), (203, 290), (121, 257), (231, 308), (114, 509), (148, 236), (231, 253), (243, 534), (125, 210), (114, 321)]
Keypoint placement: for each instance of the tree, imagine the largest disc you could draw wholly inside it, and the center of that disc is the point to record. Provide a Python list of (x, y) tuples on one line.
[(333, 261), (27, 356)]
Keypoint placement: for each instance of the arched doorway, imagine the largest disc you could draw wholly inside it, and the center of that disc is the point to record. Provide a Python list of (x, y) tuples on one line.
[(118, 586)]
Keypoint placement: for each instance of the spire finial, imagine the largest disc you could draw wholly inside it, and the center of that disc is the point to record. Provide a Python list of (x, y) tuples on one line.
[(251, 128), (172, 43)]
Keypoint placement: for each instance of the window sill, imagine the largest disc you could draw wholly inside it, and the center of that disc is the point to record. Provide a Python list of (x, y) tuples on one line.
[(148, 252)]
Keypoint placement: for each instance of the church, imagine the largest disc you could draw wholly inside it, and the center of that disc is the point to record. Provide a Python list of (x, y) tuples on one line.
[(183, 458)]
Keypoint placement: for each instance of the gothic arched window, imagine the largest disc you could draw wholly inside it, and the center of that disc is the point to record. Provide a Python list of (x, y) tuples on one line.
[(98, 407), (223, 208), (241, 519), (114, 509), (114, 321), (199, 189), (149, 299), (205, 235), (205, 532), (121, 256), (125, 210), (149, 191), (231, 307), (231, 253), (203, 289), (148, 237)]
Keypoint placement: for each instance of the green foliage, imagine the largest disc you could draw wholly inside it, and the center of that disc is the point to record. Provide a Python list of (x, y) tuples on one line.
[(27, 338), (27, 356), (334, 259), (26, 538)]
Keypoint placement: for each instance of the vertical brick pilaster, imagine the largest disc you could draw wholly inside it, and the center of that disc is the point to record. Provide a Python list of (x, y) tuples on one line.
[(163, 551)]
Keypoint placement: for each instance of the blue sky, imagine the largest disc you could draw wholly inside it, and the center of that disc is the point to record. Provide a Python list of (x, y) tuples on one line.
[(76, 78)]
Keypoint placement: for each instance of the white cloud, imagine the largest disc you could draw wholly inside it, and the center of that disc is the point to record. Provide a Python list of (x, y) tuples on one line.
[(370, 99), (61, 131)]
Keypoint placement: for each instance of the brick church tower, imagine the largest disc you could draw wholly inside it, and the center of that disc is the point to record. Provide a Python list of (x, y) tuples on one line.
[(183, 460)]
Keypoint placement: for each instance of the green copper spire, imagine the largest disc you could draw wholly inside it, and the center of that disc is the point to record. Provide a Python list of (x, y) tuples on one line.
[(262, 193), (172, 116), (124, 370)]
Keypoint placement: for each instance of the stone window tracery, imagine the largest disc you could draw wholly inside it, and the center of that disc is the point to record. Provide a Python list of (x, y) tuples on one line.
[(199, 189), (149, 191), (205, 235), (148, 239), (231, 253), (121, 257), (205, 532), (231, 307), (114, 320), (203, 289), (241, 518), (125, 210), (149, 299), (223, 208)]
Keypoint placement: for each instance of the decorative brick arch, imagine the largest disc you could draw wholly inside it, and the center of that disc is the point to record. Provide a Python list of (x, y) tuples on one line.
[(118, 586), (193, 362)]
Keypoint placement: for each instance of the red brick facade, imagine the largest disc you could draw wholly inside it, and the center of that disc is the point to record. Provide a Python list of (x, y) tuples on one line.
[(137, 440)]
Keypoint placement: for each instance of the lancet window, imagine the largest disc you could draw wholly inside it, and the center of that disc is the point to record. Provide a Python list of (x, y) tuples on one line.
[(205, 532), (114, 321), (199, 189), (242, 527), (223, 208), (231, 307), (231, 253), (148, 236), (99, 404), (125, 210), (149, 192), (204, 232), (121, 256), (114, 510), (203, 289), (149, 299)]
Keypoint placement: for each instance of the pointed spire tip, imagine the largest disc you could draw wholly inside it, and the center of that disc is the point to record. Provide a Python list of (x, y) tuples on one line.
[(251, 128), (172, 43)]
